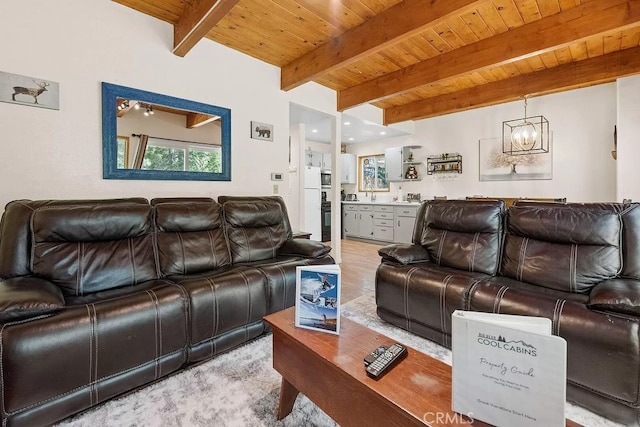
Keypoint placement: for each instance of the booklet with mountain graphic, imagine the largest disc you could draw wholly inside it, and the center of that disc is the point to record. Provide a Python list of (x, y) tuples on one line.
[(508, 370), (318, 298)]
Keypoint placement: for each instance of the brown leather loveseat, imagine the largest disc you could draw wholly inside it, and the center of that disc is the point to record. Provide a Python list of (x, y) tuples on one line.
[(98, 297), (576, 264)]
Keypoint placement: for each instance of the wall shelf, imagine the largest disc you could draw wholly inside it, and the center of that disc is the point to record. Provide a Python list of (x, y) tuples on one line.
[(444, 163)]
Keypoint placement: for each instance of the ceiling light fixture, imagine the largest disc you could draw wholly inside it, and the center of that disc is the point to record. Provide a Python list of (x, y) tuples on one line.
[(347, 123), (383, 133), (529, 135)]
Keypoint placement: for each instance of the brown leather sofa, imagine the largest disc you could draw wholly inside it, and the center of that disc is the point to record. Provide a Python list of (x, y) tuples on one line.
[(99, 297), (576, 264)]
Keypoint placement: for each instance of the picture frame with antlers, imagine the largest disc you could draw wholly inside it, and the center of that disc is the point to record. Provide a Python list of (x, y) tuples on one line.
[(30, 91)]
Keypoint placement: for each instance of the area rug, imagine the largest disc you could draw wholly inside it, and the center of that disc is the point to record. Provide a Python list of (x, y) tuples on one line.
[(241, 388)]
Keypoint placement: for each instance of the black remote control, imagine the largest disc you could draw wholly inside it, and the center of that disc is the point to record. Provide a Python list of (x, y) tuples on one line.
[(386, 361), (370, 358)]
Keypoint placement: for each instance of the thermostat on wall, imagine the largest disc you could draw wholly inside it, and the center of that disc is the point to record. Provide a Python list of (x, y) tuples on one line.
[(275, 176)]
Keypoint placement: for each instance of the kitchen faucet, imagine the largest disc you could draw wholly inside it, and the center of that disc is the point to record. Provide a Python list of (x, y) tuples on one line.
[(370, 189)]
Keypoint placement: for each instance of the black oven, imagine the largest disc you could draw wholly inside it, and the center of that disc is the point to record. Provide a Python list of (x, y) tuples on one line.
[(325, 222)]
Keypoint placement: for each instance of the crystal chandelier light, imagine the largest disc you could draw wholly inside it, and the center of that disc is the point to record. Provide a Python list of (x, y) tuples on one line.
[(529, 135)]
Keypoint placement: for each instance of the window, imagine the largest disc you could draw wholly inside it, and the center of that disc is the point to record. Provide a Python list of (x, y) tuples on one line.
[(372, 173)]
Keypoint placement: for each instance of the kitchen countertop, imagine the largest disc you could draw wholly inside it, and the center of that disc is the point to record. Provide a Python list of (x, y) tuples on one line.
[(364, 202)]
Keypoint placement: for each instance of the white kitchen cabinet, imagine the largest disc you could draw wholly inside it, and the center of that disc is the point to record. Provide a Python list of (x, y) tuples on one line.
[(365, 221), (348, 174), (405, 218), (313, 158), (393, 163), (326, 161), (398, 160), (350, 220), (383, 223)]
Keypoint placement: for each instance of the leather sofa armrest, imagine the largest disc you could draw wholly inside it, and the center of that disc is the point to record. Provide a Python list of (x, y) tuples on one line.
[(404, 254), (24, 297), (305, 248), (617, 295)]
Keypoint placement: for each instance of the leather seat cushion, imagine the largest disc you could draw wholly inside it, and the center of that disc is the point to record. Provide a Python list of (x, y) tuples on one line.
[(425, 293), (90, 352), (280, 274), (593, 337), (223, 301)]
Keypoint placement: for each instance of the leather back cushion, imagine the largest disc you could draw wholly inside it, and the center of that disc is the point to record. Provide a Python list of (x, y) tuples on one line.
[(630, 215), (86, 249), (255, 229), (462, 234), (15, 237), (190, 236), (285, 215), (570, 250)]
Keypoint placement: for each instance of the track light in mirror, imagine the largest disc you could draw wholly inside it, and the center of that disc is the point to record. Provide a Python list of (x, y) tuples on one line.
[(528, 135)]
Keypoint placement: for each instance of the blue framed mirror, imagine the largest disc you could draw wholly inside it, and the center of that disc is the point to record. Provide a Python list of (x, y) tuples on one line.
[(150, 136)]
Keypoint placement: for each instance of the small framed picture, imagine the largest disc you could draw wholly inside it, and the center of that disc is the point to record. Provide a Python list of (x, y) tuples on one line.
[(262, 131), (31, 91), (318, 298)]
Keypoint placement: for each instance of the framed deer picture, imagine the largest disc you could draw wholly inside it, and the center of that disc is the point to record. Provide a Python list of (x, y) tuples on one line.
[(32, 91)]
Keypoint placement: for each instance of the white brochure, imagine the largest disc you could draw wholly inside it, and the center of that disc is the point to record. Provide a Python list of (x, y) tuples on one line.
[(508, 370)]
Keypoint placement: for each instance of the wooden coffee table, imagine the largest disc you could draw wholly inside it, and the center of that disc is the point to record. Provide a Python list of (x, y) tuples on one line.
[(329, 370)]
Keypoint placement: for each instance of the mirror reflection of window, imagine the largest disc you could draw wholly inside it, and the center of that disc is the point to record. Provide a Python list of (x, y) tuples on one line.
[(123, 152), (169, 155), (178, 140)]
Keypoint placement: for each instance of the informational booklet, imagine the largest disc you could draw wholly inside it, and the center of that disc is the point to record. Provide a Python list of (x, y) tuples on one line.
[(508, 370), (318, 298)]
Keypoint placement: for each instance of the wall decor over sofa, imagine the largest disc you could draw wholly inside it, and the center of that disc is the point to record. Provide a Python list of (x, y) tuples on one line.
[(182, 156), (99, 297), (495, 165), (576, 264)]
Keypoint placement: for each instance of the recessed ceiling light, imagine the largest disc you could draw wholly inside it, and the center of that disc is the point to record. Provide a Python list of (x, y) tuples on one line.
[(314, 130), (350, 139), (347, 123), (383, 133)]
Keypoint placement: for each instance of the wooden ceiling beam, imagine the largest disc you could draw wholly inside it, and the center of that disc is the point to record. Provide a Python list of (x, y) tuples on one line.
[(601, 69), (397, 23), (195, 120), (591, 18), (199, 17)]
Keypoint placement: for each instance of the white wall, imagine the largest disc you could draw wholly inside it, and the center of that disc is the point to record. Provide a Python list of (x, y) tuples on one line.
[(582, 124), (628, 141), (78, 43)]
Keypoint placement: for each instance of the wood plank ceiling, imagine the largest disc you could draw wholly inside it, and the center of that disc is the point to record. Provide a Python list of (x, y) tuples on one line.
[(420, 58)]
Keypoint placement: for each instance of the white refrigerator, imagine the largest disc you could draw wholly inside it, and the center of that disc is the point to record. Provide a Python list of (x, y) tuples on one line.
[(312, 201)]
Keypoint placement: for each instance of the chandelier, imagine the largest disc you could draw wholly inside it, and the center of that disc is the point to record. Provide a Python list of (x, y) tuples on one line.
[(529, 135)]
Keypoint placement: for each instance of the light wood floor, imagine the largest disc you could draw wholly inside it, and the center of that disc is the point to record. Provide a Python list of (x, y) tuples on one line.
[(358, 267)]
